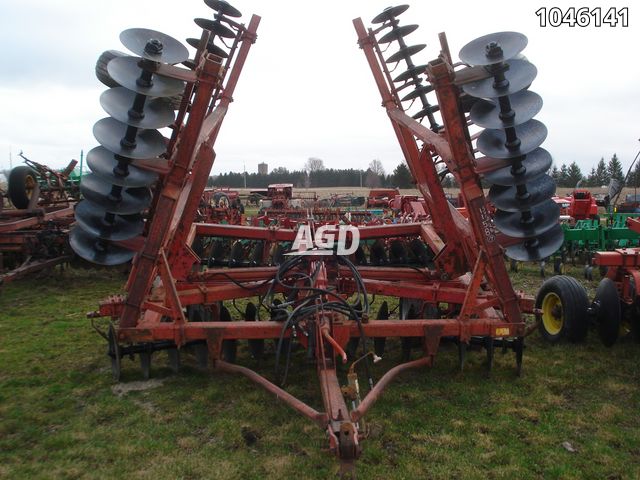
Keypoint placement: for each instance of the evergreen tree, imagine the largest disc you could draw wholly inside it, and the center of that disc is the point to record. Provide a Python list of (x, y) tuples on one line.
[(563, 178), (602, 174), (634, 177), (401, 177), (574, 175), (591, 180), (615, 168), (555, 173)]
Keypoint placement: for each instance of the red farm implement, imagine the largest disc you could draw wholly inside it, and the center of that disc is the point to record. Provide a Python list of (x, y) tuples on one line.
[(446, 271), (33, 235), (616, 305), (32, 240)]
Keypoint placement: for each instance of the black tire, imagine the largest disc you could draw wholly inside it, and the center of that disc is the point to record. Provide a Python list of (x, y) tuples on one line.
[(101, 67), (222, 200), (23, 181), (608, 313), (564, 305)]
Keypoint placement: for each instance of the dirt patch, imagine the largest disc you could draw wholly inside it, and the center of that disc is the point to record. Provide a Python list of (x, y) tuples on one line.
[(122, 389)]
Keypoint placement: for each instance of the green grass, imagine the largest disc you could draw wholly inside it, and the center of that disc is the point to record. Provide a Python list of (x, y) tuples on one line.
[(61, 418)]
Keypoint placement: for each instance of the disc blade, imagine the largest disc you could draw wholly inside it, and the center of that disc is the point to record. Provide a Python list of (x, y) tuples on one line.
[(211, 48), (544, 216), (520, 75), (389, 12), (154, 46), (405, 53), (531, 134), (126, 71), (97, 251), (525, 104), (477, 53), (538, 248), (412, 72), (536, 163), (223, 8), (429, 109), (422, 90), (91, 219), (398, 32), (539, 190), (131, 201), (118, 101), (102, 162), (215, 27), (109, 132)]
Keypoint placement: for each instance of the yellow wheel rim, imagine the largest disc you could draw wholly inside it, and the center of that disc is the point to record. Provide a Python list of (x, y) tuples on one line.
[(552, 317), (30, 185)]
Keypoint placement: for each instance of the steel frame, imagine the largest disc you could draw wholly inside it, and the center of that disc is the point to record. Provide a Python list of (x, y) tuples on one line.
[(469, 275)]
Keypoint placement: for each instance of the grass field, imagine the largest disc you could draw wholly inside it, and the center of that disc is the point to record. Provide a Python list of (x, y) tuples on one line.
[(573, 414)]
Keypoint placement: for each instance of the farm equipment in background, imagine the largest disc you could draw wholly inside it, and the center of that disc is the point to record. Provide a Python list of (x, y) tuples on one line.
[(587, 231), (282, 208), (615, 310), (32, 240), (35, 184), (616, 305), (582, 205), (380, 197), (34, 234), (280, 200), (446, 272), (631, 204), (221, 205), (346, 201)]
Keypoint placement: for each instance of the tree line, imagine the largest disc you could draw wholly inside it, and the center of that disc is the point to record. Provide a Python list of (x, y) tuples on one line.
[(316, 175), (570, 176)]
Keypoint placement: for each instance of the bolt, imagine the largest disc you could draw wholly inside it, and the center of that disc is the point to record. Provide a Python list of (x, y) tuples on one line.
[(153, 47), (493, 50)]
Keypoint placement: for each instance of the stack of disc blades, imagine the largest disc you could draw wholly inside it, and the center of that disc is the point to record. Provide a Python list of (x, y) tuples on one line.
[(217, 27), (521, 190), (413, 77), (117, 191)]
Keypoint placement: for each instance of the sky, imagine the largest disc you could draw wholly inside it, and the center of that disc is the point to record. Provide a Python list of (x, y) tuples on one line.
[(306, 89)]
